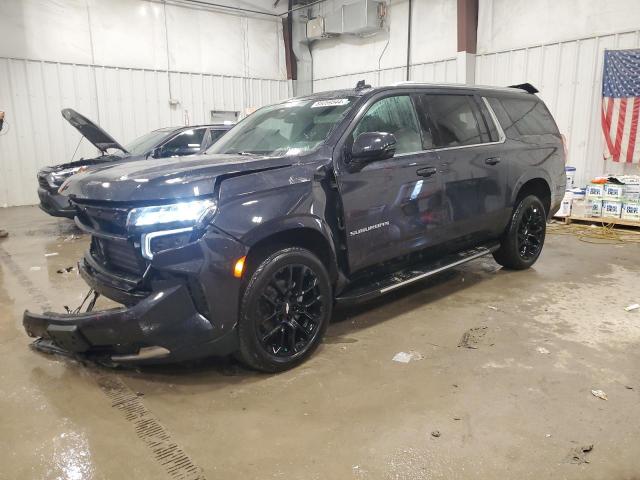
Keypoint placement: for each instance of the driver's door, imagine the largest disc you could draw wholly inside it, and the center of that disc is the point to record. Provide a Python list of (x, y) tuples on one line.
[(391, 207)]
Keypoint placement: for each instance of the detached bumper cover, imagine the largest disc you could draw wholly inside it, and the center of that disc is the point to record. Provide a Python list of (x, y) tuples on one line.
[(166, 318)]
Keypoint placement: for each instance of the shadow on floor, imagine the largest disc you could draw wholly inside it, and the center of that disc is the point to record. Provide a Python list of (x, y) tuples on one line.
[(382, 309)]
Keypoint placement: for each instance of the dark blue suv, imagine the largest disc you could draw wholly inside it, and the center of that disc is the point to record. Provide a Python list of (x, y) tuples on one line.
[(333, 198)]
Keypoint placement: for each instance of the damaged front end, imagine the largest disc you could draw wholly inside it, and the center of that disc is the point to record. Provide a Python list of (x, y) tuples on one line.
[(170, 269)]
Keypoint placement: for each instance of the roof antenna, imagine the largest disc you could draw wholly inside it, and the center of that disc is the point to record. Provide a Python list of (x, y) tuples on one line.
[(361, 85)]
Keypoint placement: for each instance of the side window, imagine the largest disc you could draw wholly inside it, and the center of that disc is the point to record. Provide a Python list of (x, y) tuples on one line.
[(456, 119), (185, 143), (521, 118), (494, 136), (393, 115)]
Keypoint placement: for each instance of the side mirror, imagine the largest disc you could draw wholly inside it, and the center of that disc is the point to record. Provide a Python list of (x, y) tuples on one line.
[(157, 152), (372, 146)]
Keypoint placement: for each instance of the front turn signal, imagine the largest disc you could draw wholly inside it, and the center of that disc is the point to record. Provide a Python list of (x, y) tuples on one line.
[(238, 268)]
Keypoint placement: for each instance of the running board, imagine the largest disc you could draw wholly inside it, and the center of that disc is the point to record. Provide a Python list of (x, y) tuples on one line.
[(412, 274)]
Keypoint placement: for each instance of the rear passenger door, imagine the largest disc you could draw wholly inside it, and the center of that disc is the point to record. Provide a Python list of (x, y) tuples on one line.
[(471, 170)]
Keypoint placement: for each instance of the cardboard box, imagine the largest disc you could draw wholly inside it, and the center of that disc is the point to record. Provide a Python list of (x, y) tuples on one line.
[(631, 193), (611, 208), (631, 211), (579, 208), (595, 190), (593, 207), (613, 191)]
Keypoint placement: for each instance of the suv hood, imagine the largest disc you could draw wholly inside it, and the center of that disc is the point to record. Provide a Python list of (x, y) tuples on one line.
[(83, 162), (163, 179), (92, 132)]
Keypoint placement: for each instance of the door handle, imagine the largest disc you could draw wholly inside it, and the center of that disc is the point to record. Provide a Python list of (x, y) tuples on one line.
[(492, 160), (427, 171)]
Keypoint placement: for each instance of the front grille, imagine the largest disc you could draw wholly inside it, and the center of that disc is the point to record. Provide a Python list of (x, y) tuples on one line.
[(118, 256), (103, 219)]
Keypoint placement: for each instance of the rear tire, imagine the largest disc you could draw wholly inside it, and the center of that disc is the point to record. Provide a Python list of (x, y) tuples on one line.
[(523, 239), (285, 310)]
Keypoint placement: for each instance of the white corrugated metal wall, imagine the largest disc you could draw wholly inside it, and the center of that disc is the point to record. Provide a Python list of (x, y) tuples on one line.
[(127, 102), (381, 59), (569, 77), (442, 71), (119, 63)]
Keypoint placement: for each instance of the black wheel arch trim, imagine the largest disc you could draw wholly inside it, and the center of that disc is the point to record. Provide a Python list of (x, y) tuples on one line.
[(290, 225)]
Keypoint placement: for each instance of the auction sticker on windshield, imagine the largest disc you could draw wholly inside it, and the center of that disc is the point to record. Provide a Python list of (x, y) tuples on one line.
[(330, 103)]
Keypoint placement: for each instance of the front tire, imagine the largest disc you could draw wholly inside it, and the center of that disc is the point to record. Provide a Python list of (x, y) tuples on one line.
[(285, 310), (523, 240)]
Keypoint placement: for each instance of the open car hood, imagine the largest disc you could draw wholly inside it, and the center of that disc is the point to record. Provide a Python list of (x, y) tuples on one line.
[(92, 132), (163, 179)]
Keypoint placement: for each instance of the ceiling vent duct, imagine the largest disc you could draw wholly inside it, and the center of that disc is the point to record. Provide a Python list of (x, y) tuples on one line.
[(359, 17)]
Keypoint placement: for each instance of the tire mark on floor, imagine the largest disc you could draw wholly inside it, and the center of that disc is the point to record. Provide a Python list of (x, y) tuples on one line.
[(171, 457), (24, 281)]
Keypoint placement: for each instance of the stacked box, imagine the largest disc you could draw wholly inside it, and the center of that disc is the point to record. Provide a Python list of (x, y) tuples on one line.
[(631, 198), (631, 211), (613, 192), (611, 208), (593, 207), (579, 207), (631, 193), (595, 190)]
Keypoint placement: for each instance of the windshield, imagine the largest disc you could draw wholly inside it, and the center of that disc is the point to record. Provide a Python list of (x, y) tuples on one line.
[(146, 142), (288, 128)]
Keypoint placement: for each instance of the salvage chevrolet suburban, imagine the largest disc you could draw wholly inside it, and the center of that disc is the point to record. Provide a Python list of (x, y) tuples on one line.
[(332, 198)]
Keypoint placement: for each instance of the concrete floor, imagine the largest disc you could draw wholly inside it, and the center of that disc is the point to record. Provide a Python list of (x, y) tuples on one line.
[(514, 407)]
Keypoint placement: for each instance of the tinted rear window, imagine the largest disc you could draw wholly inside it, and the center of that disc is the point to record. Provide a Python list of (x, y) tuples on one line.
[(522, 118), (457, 120)]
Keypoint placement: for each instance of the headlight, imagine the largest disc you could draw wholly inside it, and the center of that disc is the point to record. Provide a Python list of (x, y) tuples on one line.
[(184, 212), (55, 179)]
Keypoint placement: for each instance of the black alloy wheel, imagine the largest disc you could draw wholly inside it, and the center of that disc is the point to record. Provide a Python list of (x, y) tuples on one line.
[(522, 241), (285, 309), (531, 232), (291, 311)]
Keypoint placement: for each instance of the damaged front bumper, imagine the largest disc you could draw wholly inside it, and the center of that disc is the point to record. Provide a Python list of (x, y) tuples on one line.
[(166, 323)]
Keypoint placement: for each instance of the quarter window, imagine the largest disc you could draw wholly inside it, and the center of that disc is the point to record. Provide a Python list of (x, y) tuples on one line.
[(456, 119), (216, 134), (522, 118), (394, 115)]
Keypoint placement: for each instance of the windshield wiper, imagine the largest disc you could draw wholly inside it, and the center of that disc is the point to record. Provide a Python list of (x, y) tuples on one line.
[(247, 152)]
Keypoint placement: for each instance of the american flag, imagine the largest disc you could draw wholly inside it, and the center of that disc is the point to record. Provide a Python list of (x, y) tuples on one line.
[(621, 105)]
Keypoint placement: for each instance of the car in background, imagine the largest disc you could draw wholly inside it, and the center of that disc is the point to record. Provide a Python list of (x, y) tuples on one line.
[(161, 143)]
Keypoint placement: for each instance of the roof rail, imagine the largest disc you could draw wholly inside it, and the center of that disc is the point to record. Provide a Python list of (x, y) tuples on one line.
[(527, 87)]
